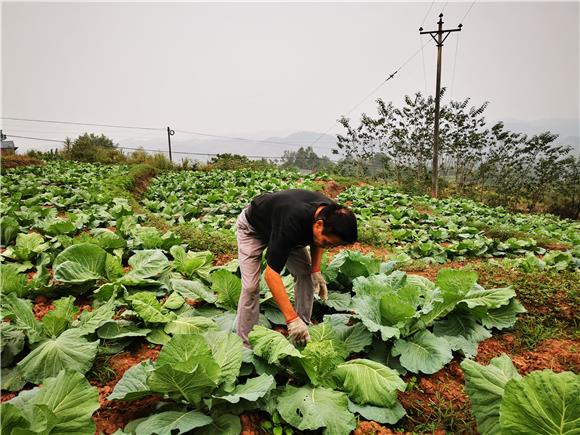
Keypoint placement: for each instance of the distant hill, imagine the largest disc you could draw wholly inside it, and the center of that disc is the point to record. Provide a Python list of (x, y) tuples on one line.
[(269, 147), (274, 146)]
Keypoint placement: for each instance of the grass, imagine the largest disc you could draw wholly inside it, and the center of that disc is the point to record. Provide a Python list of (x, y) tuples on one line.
[(444, 415), (101, 371), (530, 331), (550, 297), (199, 239), (375, 233), (502, 232)]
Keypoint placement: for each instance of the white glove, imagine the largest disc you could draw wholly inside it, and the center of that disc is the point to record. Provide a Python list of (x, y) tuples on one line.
[(298, 331), (319, 285)]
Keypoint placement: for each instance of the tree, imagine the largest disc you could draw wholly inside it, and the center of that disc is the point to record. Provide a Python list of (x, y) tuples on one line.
[(360, 145), (305, 158), (92, 148), (237, 161), (498, 165), (466, 138)]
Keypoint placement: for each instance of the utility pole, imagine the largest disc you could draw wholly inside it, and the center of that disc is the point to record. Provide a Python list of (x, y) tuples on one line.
[(439, 40), (169, 134)]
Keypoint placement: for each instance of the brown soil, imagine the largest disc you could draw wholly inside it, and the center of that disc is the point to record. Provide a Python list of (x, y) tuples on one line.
[(554, 354), (555, 246), (7, 395), (565, 311), (194, 302), (84, 303), (115, 414), (41, 306), (442, 390), (331, 188), (119, 312), (373, 428), (430, 272), (125, 360), (251, 424), (16, 160), (424, 209), (380, 253), (224, 259)]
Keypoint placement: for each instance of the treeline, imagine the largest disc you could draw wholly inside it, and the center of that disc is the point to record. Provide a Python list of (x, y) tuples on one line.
[(478, 160)]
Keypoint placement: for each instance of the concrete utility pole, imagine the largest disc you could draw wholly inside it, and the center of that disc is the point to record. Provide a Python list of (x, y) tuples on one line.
[(439, 40), (169, 134)]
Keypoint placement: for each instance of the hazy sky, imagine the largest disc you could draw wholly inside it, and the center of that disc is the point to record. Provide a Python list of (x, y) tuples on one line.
[(270, 69)]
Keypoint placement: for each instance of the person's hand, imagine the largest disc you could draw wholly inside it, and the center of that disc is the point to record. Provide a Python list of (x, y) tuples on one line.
[(320, 285), (298, 331)]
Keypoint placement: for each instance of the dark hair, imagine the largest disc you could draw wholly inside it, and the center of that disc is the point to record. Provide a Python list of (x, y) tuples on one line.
[(339, 221)]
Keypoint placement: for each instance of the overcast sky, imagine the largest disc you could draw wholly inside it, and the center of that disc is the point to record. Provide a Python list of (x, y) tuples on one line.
[(270, 69)]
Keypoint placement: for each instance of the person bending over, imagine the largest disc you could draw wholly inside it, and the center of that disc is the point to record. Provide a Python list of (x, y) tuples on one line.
[(287, 222)]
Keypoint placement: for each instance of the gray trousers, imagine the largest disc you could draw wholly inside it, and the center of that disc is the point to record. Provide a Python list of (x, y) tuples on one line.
[(250, 248)]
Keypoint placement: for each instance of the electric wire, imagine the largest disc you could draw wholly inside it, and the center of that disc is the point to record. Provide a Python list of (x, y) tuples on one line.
[(427, 13), (160, 130), (159, 150), (467, 13), (422, 51), (374, 90), (82, 123)]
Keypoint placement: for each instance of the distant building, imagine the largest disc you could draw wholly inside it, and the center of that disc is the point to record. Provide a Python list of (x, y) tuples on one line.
[(7, 147)]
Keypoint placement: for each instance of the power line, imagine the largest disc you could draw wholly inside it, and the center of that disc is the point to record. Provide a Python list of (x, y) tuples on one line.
[(82, 123), (422, 52), (163, 151), (374, 90), (35, 138), (427, 13), (197, 133), (468, 10)]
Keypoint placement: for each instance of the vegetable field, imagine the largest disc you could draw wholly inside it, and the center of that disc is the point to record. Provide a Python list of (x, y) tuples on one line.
[(447, 316)]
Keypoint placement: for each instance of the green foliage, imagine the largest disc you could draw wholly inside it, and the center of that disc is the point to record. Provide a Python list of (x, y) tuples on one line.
[(149, 281), (305, 158), (64, 404), (213, 199), (504, 402), (514, 167), (92, 148), (236, 161), (308, 408), (154, 160), (218, 241), (454, 229)]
